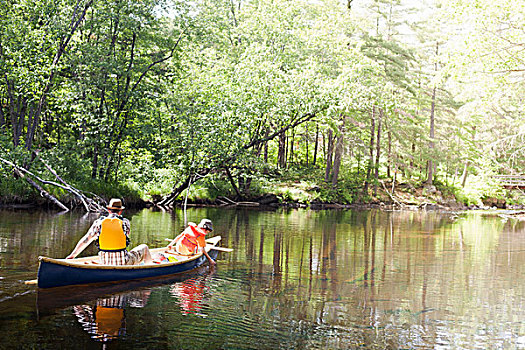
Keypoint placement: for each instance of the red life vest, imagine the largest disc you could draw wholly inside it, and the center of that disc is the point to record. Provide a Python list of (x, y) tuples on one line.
[(190, 239)]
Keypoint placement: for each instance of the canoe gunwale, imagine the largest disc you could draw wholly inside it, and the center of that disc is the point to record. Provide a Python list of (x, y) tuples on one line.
[(62, 272), (80, 262), (113, 267)]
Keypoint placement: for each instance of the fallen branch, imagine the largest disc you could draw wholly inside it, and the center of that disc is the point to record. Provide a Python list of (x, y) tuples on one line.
[(171, 197), (222, 203), (18, 171), (226, 199), (391, 195), (89, 204), (247, 204)]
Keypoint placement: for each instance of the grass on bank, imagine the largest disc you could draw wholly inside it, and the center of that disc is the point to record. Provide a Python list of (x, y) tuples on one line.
[(18, 191), (294, 185)]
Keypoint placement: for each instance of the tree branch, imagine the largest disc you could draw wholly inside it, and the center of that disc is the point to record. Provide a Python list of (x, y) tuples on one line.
[(304, 118), (43, 193)]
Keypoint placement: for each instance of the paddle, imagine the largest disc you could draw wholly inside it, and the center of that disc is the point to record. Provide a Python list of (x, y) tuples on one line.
[(221, 249)]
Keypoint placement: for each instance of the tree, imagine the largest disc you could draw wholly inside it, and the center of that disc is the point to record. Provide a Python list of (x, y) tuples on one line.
[(33, 41)]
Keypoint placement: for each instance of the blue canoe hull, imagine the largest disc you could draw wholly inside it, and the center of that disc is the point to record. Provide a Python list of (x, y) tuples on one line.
[(54, 273)]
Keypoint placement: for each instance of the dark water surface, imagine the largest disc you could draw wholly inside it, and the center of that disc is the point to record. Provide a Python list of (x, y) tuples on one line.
[(296, 280)]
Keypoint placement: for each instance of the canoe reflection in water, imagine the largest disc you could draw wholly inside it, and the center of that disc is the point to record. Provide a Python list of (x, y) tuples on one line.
[(107, 319), (101, 309)]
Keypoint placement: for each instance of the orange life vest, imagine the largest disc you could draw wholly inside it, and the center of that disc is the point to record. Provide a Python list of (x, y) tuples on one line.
[(192, 238), (109, 320), (112, 236)]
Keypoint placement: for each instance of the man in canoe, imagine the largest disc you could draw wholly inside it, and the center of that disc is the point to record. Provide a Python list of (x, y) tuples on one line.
[(112, 235), (191, 241)]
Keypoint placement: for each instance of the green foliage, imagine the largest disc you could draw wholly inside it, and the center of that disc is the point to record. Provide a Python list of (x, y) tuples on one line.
[(145, 94), (477, 189), (14, 191)]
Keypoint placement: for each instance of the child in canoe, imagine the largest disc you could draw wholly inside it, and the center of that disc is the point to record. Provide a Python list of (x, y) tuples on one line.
[(191, 241)]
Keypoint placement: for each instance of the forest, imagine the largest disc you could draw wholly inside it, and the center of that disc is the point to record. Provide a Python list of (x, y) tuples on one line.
[(228, 101)]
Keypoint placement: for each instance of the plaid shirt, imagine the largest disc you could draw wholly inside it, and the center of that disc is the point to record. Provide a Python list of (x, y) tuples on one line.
[(114, 258)]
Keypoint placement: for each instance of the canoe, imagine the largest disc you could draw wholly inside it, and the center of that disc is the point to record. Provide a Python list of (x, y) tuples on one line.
[(66, 272), (49, 300)]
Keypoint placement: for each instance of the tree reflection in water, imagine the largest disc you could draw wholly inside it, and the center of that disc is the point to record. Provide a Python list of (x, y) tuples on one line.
[(295, 279)]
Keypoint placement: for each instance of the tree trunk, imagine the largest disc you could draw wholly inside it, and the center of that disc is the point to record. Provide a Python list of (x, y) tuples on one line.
[(266, 153), (465, 174), (411, 164), (75, 22), (43, 192), (329, 152), (338, 154), (378, 152), (306, 140), (286, 148), (389, 154), (176, 191), (370, 151), (95, 163), (232, 182), (2, 118), (290, 156), (431, 165), (19, 172), (247, 185), (265, 147), (281, 156), (316, 143)]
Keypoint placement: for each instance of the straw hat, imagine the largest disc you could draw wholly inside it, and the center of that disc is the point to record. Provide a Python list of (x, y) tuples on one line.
[(115, 204)]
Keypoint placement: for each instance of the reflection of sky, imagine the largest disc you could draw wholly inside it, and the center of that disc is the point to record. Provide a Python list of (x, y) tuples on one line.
[(3, 245), (316, 264)]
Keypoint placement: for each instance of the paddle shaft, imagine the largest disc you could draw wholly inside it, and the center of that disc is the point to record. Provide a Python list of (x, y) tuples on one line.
[(169, 239), (221, 249)]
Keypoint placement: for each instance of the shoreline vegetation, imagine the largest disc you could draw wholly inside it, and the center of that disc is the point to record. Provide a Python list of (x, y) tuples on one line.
[(292, 194), (318, 104)]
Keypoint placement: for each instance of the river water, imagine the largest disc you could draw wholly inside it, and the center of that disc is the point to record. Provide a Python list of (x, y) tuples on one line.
[(297, 279)]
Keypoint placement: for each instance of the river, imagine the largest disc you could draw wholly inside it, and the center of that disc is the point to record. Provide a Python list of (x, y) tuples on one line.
[(296, 279)]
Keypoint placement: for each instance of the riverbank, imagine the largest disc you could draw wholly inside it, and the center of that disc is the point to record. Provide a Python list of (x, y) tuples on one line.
[(296, 194), (300, 194)]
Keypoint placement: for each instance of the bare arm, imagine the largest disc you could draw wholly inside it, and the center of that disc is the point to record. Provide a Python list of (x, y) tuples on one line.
[(84, 241), (202, 246), (174, 241), (212, 263)]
